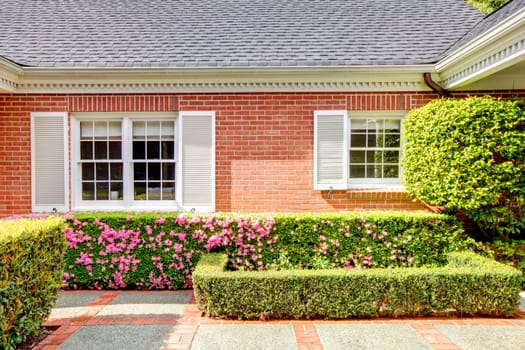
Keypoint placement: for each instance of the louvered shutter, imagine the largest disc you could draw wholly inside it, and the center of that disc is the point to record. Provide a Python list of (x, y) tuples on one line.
[(49, 178), (196, 166), (330, 150)]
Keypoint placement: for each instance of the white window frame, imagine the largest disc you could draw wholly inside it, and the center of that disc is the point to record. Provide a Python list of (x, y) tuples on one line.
[(128, 203), (363, 183)]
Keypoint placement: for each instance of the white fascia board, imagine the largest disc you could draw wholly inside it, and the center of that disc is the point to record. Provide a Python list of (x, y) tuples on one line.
[(496, 49), (224, 79)]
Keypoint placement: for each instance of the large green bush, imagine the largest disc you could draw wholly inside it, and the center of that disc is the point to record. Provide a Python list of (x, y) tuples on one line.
[(468, 155), (153, 251), (468, 285), (31, 252)]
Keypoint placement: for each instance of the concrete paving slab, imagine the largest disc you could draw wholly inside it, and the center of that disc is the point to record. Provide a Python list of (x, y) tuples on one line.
[(76, 299), (485, 337), (373, 337), (244, 337), (69, 312), (111, 337), (147, 303)]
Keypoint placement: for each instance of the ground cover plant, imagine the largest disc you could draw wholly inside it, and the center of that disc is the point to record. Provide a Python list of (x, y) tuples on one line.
[(159, 251), (468, 285), (31, 252)]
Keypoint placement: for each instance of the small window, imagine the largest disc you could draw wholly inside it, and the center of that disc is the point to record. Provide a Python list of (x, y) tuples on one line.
[(374, 150)]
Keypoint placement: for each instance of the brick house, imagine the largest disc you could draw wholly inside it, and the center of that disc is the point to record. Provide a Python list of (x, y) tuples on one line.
[(232, 105)]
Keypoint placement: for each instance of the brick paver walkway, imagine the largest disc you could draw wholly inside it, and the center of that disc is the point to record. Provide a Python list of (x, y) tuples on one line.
[(185, 326)]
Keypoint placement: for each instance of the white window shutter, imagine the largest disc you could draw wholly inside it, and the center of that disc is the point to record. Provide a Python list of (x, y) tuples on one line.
[(330, 150), (196, 161), (49, 164)]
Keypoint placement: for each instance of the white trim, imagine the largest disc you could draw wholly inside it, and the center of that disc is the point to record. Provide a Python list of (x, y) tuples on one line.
[(389, 183), (179, 184), (58, 207), (221, 79), (500, 47)]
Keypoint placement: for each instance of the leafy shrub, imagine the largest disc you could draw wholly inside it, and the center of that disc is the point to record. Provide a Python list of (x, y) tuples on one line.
[(487, 6), (469, 285), (468, 156), (31, 252), (146, 251)]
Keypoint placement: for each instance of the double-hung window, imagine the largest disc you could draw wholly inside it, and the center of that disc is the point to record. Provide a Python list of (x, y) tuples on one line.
[(357, 149), (143, 160)]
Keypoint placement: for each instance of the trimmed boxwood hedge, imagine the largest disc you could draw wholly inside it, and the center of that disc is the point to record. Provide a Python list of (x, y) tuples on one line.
[(468, 285), (31, 252)]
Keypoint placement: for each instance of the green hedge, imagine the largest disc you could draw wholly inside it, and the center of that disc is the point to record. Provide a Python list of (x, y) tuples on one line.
[(31, 252), (159, 251), (469, 285), (468, 155)]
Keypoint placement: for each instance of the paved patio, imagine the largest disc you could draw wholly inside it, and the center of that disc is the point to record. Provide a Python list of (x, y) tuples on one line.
[(170, 320)]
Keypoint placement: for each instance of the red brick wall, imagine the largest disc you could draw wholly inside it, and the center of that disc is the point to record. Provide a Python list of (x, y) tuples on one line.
[(264, 144)]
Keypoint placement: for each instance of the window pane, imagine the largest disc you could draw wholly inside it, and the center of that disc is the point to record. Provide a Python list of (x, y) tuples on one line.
[(116, 191), (116, 171), (139, 171), (154, 191), (88, 171), (102, 171), (391, 171), (358, 125), (139, 130), (102, 191), (168, 171), (153, 129), (357, 171), (115, 151), (373, 140), (357, 156), (86, 130), (88, 191), (101, 130), (392, 125), (168, 190), (374, 157), (168, 130), (86, 150), (391, 157), (168, 149), (139, 191), (154, 171), (153, 149), (139, 150), (392, 140), (115, 131), (373, 171), (358, 140), (101, 151)]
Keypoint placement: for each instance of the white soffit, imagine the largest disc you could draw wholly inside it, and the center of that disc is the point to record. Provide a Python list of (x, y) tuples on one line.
[(500, 48)]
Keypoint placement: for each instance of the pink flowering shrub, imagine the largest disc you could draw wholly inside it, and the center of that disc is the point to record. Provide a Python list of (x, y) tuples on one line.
[(155, 251)]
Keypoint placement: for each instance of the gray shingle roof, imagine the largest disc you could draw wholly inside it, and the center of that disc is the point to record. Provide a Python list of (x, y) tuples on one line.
[(489, 22), (211, 33)]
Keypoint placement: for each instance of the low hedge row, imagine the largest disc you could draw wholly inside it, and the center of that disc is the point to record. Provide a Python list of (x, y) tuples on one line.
[(511, 253), (31, 252), (468, 285), (153, 251)]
